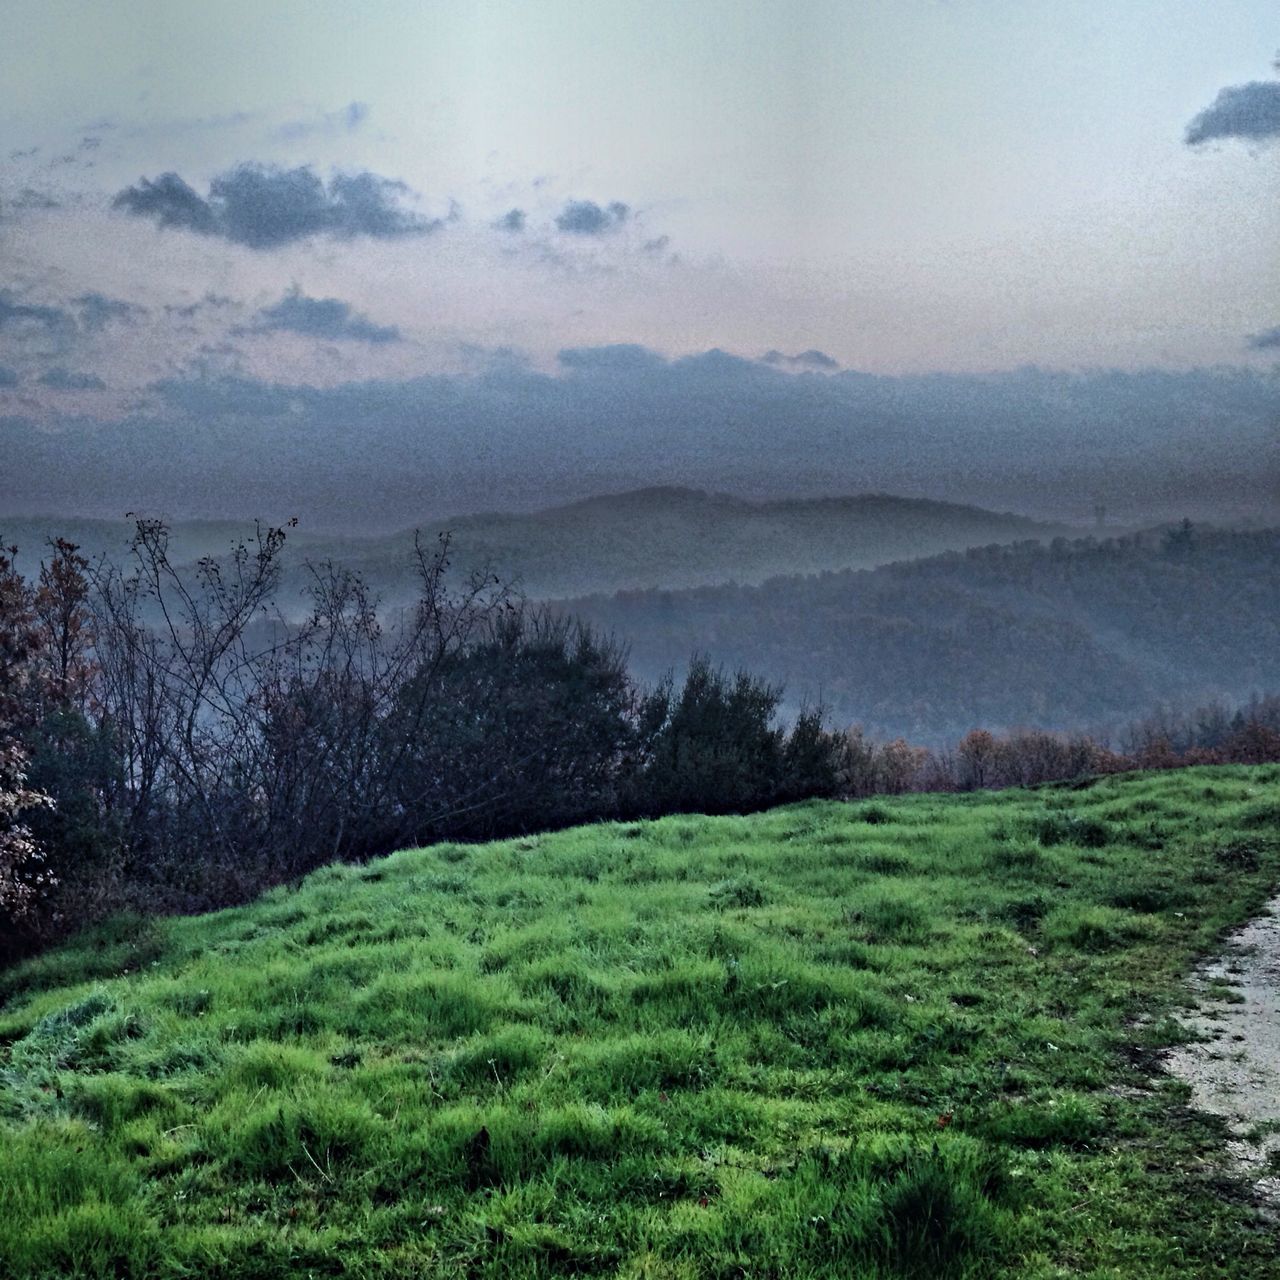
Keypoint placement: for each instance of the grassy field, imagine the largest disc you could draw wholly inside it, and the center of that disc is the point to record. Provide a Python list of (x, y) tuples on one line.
[(910, 1037)]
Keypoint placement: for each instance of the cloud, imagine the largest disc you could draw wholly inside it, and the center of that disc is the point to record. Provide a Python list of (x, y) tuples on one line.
[(810, 359), (171, 202), (620, 357), (326, 123), (266, 207), (321, 318), (60, 378), (88, 313), (215, 301), (513, 220), (586, 218), (30, 199), (1248, 111), (97, 311), (1267, 340), (14, 314), (8, 377), (225, 395), (211, 441)]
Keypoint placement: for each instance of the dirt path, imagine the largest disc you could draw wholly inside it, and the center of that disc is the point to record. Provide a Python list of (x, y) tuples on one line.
[(1236, 1073)]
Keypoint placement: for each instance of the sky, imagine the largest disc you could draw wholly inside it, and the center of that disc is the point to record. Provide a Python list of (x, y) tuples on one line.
[(319, 194)]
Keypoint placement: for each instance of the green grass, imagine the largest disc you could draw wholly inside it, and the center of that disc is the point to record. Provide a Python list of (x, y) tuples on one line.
[(799, 1044)]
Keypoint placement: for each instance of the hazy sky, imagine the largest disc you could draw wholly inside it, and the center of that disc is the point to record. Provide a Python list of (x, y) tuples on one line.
[(317, 193)]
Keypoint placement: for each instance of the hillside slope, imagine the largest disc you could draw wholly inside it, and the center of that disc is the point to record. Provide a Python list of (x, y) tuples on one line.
[(890, 1040), (663, 537), (1059, 636)]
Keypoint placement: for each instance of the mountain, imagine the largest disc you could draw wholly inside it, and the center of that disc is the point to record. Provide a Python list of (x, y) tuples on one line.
[(667, 537), (1059, 635)]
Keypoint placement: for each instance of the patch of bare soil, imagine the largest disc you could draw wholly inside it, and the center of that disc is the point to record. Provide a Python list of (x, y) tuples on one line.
[(1235, 1071)]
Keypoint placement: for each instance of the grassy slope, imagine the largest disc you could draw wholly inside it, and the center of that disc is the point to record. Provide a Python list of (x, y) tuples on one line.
[(697, 1047)]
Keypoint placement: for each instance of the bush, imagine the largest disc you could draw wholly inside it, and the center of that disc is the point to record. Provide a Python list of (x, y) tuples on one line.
[(714, 747)]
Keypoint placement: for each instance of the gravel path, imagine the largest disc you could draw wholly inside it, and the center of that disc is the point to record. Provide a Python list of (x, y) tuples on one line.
[(1236, 1072)]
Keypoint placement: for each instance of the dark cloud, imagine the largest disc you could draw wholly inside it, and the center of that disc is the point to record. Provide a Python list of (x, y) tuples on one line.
[(586, 218), (621, 357), (512, 220), (1267, 340), (321, 318), (214, 301), (810, 359), (1248, 111), (97, 311), (18, 315), (505, 435), (716, 364), (326, 124), (225, 395), (265, 207), (8, 377), (60, 378), (657, 244), (171, 202), (94, 310)]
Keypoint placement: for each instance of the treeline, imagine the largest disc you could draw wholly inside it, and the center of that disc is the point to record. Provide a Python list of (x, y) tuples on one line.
[(1168, 739), (169, 741)]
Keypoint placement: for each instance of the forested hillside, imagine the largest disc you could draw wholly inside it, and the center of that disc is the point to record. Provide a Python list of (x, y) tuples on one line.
[(1064, 635)]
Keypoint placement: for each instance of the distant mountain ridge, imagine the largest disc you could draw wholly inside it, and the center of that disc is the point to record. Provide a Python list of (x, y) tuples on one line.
[(666, 537)]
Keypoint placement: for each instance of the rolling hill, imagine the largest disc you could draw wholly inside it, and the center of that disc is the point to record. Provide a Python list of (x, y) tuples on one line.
[(659, 537)]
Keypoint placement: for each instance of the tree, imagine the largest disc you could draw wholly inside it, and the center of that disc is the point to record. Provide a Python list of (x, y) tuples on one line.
[(1253, 743), (23, 876), (531, 726), (810, 759), (978, 758), (717, 750), (61, 608)]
